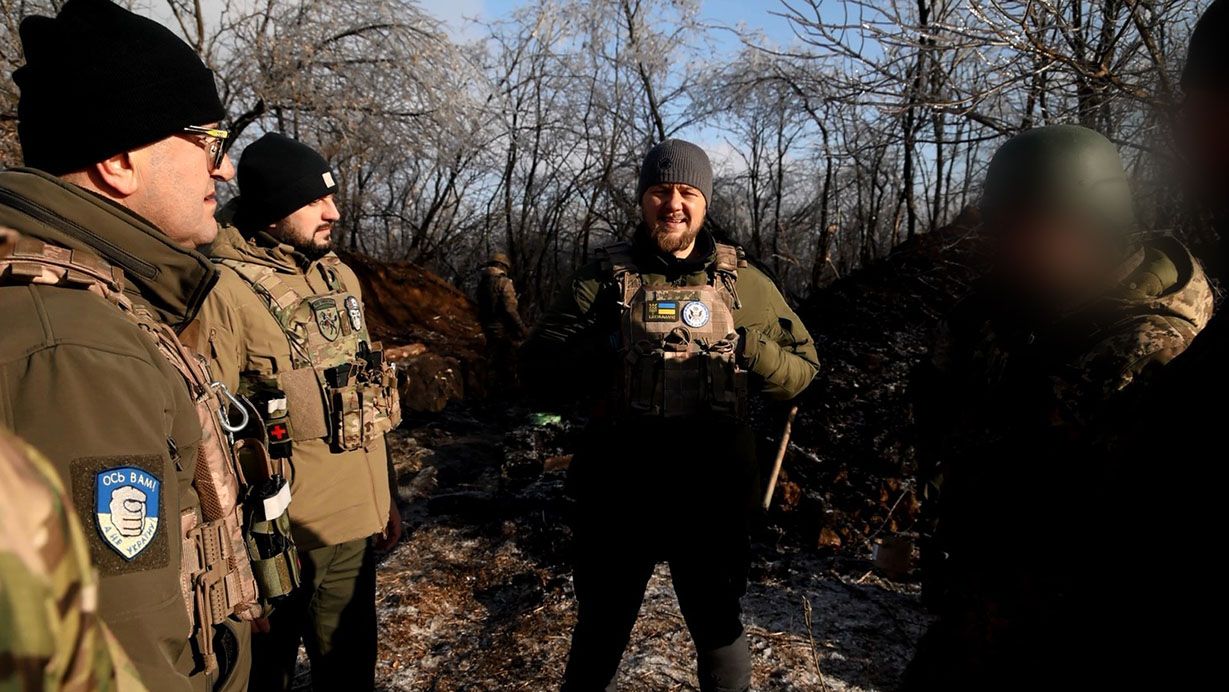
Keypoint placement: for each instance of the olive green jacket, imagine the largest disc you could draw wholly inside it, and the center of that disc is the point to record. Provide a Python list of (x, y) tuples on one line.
[(575, 344), (91, 391), (336, 497)]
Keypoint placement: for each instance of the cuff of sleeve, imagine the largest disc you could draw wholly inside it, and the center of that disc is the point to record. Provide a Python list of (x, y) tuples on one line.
[(752, 342)]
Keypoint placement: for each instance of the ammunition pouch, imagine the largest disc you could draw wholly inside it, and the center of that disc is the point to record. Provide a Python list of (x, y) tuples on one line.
[(670, 381)]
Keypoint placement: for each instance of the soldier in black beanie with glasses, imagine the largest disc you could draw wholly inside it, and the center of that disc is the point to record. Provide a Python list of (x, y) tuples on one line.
[(119, 124)]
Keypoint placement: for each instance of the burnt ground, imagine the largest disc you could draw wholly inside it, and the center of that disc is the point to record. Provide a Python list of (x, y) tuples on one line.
[(478, 595)]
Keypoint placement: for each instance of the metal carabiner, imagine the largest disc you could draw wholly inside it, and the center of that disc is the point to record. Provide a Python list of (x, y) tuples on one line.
[(224, 415)]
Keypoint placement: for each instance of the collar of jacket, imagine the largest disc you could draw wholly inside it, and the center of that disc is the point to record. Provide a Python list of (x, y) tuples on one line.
[(652, 260), (168, 279), (262, 249)]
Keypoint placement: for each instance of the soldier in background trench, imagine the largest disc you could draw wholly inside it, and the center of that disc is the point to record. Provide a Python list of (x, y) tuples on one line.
[(1081, 308), (285, 327), (499, 314), (669, 333)]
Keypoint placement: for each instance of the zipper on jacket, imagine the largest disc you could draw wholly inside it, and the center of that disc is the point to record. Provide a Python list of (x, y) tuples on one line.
[(56, 221)]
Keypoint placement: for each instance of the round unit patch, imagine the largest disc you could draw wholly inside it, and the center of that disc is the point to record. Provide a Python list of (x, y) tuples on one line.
[(696, 314)]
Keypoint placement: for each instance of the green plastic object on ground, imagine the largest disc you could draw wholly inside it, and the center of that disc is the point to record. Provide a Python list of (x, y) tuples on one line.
[(544, 419)]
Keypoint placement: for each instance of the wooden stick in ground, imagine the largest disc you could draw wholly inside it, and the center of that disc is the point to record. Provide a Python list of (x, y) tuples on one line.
[(782, 448)]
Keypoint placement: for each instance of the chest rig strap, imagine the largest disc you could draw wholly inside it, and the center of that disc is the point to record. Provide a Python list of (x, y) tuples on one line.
[(216, 577)]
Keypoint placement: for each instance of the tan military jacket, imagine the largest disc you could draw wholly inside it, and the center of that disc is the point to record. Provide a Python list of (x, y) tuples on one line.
[(336, 496)]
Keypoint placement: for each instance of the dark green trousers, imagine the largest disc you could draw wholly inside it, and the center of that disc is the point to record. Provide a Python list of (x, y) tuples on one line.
[(333, 614), (678, 491)]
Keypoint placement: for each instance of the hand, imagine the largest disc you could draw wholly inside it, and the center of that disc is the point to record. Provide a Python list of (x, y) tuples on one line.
[(128, 511), (391, 535), (260, 626)]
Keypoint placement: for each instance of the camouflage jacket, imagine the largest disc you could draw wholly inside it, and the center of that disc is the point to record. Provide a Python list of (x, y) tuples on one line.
[(50, 634), (1008, 415), (1005, 374), (497, 304)]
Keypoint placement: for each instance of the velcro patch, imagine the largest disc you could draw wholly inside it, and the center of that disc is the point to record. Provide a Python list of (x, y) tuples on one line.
[(661, 311), (121, 497)]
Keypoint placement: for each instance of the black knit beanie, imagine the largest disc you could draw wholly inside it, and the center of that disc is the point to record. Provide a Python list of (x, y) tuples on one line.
[(99, 80), (277, 176), (676, 161), (1207, 59)]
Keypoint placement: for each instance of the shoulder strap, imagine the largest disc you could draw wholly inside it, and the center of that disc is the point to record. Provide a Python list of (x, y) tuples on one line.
[(27, 260), (278, 295), (728, 261), (620, 265), (617, 259)]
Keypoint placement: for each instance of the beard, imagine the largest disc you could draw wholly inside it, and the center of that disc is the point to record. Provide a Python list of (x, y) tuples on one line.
[(309, 247), (670, 243)]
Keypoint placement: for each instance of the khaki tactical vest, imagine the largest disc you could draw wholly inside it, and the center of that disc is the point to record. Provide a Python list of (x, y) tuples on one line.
[(341, 388), (216, 573), (678, 343)]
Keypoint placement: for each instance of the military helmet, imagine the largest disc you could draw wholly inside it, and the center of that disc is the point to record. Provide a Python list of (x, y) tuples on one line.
[(500, 259), (1064, 169)]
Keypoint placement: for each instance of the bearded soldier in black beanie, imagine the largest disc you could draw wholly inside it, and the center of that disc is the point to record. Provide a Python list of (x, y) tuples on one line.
[(285, 327), (669, 332), (118, 123)]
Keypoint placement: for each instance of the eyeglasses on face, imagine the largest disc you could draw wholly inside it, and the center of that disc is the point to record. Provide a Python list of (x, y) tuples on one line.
[(213, 140)]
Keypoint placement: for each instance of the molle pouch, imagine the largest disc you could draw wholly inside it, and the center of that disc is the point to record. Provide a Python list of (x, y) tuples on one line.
[(643, 379), (682, 384), (272, 408), (726, 382), (387, 395), (270, 547), (347, 419)]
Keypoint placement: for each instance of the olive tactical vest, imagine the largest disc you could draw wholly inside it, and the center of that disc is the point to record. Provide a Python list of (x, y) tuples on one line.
[(216, 575), (679, 343), (341, 388)]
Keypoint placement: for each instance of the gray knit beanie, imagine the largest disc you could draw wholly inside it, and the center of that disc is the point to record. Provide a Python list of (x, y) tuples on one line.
[(676, 161)]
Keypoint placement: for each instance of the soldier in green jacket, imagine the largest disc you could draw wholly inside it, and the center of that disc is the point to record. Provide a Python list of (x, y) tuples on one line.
[(50, 634), (1081, 310), (285, 327), (117, 121), (670, 333)]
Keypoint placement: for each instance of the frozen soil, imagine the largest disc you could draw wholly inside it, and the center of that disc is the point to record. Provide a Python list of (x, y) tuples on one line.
[(478, 595)]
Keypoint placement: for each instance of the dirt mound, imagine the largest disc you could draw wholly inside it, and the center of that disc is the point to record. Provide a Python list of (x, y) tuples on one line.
[(408, 304), (849, 478), (429, 327)]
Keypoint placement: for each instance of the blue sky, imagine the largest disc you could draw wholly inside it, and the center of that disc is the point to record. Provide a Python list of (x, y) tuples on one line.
[(756, 14)]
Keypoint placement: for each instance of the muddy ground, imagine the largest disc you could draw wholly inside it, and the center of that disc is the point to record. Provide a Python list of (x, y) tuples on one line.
[(478, 595)]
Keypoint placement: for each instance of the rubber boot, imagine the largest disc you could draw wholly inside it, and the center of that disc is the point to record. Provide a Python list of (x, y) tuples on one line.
[(727, 668)]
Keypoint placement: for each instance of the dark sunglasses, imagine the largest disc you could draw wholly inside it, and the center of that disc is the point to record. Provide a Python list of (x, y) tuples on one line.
[(213, 140)]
